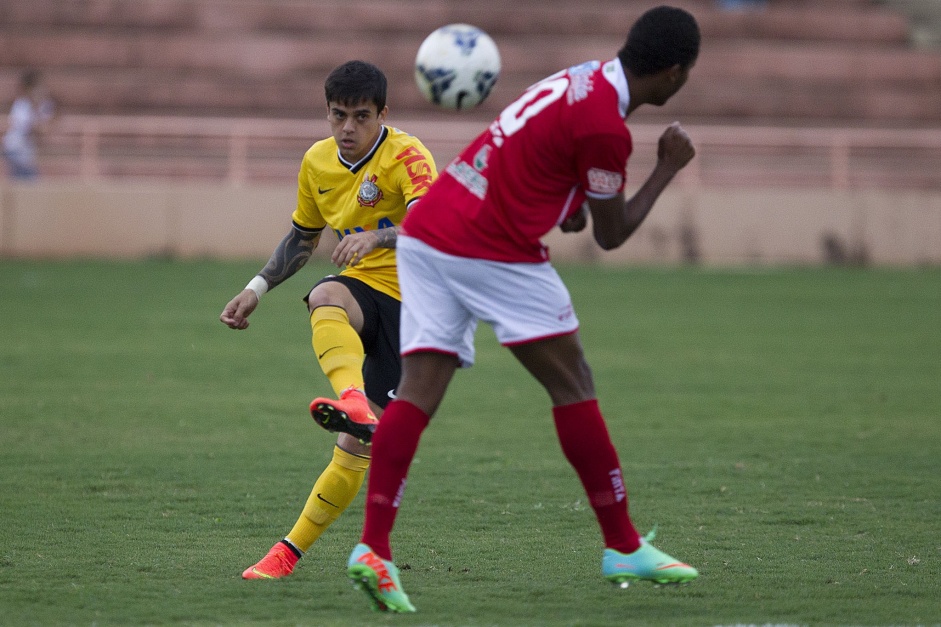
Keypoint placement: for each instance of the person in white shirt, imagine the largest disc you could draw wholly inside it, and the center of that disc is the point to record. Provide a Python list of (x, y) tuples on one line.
[(31, 112)]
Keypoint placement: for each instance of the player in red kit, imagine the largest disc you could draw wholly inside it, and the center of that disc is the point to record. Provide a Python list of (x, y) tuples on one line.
[(471, 251)]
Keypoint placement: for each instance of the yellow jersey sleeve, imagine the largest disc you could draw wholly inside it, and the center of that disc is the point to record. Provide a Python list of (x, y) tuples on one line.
[(307, 216)]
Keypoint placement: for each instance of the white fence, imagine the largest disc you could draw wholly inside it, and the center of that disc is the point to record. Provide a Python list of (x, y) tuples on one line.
[(240, 150)]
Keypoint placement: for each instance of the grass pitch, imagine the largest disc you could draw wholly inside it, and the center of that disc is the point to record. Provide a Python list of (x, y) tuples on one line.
[(783, 429)]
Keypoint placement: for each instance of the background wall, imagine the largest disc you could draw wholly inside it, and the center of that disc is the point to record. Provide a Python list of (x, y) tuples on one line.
[(711, 226)]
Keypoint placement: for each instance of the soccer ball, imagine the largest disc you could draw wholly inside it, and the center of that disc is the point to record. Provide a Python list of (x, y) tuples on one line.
[(457, 66)]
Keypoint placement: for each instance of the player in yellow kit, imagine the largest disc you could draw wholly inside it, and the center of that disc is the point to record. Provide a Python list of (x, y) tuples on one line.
[(360, 182)]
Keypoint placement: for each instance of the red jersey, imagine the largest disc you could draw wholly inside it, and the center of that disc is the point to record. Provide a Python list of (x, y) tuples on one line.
[(564, 139)]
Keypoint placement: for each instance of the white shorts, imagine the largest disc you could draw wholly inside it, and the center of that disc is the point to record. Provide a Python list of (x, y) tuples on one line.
[(444, 296)]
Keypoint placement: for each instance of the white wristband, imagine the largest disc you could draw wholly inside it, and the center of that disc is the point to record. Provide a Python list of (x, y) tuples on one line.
[(257, 285)]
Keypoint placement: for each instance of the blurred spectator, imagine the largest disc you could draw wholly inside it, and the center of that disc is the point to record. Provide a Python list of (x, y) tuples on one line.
[(741, 5), (31, 112)]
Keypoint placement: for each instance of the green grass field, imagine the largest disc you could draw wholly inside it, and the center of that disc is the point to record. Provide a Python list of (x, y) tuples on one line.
[(782, 428)]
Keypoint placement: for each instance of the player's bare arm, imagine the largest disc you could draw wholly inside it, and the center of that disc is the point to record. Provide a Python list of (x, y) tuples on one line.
[(575, 222), (615, 220), (290, 256), (355, 246)]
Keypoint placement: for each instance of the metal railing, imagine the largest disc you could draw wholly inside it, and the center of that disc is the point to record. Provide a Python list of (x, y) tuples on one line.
[(239, 150)]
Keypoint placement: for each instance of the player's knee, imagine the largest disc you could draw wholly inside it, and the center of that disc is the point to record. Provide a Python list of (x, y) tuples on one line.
[(352, 445), (330, 294)]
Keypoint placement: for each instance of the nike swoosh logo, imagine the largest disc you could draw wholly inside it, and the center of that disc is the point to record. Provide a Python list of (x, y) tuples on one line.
[(261, 574), (321, 190), (320, 356), (326, 501)]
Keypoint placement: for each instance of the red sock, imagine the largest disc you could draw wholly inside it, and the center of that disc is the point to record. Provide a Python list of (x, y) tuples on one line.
[(393, 446), (587, 445)]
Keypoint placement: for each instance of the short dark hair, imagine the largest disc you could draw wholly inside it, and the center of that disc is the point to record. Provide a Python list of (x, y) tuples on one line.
[(356, 81), (661, 38)]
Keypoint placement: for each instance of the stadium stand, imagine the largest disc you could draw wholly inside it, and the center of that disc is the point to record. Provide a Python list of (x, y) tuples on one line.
[(846, 61), (796, 63)]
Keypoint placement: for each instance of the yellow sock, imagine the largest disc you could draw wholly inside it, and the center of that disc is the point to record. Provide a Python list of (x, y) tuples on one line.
[(337, 347), (334, 491)]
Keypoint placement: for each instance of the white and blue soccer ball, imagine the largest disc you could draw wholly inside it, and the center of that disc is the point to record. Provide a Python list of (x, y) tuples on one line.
[(456, 66)]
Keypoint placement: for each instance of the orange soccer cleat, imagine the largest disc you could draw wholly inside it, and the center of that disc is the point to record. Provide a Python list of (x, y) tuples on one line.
[(279, 562), (351, 414)]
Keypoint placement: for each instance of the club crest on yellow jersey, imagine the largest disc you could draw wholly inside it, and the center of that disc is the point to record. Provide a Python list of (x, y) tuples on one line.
[(369, 193)]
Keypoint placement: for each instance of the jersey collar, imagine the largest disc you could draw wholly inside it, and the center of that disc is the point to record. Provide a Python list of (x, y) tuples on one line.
[(356, 167), (614, 73)]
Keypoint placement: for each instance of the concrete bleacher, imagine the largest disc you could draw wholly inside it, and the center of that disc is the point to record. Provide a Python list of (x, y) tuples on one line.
[(843, 62), (815, 121)]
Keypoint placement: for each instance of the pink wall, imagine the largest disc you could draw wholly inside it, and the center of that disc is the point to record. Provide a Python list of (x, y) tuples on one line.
[(718, 227)]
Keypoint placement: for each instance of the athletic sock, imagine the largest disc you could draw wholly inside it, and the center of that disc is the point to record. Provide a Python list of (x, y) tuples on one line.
[(338, 348), (296, 551), (587, 446), (333, 492), (393, 447)]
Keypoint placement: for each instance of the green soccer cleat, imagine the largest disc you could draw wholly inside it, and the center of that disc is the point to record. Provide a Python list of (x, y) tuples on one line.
[(647, 563), (379, 579)]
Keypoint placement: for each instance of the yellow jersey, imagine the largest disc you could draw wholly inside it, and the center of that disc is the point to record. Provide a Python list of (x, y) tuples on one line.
[(372, 194)]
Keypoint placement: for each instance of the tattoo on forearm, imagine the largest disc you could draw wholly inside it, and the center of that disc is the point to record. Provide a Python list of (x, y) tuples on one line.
[(290, 256), (387, 237)]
